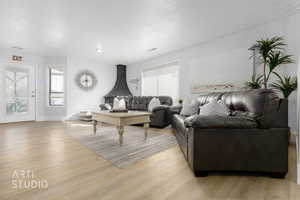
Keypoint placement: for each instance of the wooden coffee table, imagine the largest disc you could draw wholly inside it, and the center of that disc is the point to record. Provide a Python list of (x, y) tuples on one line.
[(122, 119)]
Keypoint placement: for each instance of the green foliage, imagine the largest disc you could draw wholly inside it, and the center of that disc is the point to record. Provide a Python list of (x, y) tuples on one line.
[(255, 82), (276, 59), (271, 56), (268, 46), (285, 85)]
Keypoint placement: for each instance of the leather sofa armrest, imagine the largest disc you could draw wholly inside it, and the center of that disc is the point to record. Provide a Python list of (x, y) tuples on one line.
[(175, 109), (159, 117), (275, 114), (161, 107), (191, 121)]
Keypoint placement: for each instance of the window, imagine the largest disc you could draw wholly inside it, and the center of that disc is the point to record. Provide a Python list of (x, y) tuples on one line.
[(16, 82), (56, 86), (161, 81)]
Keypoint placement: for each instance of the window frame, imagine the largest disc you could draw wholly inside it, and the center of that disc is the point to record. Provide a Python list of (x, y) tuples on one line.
[(50, 73)]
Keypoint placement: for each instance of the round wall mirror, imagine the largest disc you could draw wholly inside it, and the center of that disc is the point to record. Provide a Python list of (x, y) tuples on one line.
[(86, 80)]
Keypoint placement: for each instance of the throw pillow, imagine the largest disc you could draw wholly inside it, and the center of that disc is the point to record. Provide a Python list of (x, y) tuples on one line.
[(189, 107), (215, 108), (119, 104), (116, 103), (122, 104), (155, 102), (107, 106)]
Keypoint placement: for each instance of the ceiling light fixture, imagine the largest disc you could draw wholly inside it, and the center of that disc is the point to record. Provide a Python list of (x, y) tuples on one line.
[(153, 49), (99, 50)]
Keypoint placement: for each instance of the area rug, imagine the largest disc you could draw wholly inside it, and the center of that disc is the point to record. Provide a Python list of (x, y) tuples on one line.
[(106, 143)]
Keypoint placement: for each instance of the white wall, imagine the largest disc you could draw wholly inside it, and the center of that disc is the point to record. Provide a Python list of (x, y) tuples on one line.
[(53, 112), (79, 100), (293, 33), (75, 99), (293, 40), (43, 111), (298, 120), (222, 60)]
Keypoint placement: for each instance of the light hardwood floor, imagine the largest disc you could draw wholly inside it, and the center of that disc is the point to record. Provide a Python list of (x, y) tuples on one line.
[(73, 172)]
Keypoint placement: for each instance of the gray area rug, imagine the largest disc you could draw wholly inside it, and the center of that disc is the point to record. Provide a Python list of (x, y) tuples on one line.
[(106, 143)]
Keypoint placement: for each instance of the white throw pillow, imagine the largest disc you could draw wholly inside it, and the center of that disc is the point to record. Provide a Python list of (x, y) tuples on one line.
[(107, 106), (122, 104), (116, 103), (189, 107), (119, 104), (215, 108), (155, 102)]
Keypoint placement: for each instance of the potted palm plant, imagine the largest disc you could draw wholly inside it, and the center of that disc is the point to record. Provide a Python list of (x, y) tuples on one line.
[(271, 56)]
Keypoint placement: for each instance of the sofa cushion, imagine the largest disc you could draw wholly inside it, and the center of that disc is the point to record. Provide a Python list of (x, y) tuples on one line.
[(141, 102), (263, 105), (206, 98), (215, 108), (215, 121), (190, 107), (252, 102), (165, 100)]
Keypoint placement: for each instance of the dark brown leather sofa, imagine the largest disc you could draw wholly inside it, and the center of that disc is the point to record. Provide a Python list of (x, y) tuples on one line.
[(159, 117), (253, 139)]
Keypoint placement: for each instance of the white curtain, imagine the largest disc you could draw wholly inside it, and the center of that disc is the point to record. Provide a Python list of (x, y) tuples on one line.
[(161, 81)]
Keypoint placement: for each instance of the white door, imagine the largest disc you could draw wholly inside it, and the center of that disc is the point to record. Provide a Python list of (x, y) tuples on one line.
[(17, 97)]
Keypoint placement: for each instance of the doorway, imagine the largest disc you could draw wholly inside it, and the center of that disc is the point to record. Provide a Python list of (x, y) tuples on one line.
[(18, 93)]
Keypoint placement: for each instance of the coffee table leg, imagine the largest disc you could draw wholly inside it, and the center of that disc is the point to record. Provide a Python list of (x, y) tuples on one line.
[(95, 126), (120, 131), (146, 126)]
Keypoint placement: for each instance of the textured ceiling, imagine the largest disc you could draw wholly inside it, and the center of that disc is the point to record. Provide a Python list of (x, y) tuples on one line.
[(126, 29)]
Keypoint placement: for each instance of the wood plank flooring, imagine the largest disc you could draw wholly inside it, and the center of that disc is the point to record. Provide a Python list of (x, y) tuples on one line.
[(74, 172)]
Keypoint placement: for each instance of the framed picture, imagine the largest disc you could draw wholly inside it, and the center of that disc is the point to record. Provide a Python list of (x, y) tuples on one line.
[(205, 88)]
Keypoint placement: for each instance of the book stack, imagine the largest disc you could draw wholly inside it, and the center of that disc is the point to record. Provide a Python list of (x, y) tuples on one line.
[(85, 116)]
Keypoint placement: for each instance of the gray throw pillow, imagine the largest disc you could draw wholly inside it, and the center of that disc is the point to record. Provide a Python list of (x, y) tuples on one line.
[(215, 108), (190, 107)]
